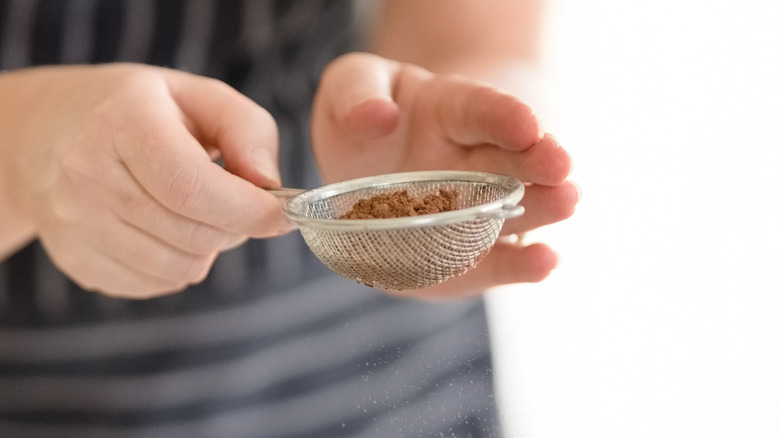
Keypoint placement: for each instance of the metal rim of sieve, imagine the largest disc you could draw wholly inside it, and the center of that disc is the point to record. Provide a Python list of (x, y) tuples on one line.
[(296, 208)]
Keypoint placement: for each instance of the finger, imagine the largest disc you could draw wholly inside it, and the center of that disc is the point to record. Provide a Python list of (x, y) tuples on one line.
[(506, 263), (171, 165), (245, 134), (359, 95), (145, 253), (510, 263), (181, 232), (117, 279), (140, 210), (544, 205), (544, 163), (472, 114), (95, 270), (370, 118)]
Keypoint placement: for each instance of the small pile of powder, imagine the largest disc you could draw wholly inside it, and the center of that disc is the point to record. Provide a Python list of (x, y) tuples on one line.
[(401, 204)]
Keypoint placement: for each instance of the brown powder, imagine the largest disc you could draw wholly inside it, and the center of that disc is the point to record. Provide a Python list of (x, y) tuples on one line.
[(401, 204)]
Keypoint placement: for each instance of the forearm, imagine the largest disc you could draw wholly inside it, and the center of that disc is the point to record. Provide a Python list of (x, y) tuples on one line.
[(498, 41), (436, 34), (36, 108)]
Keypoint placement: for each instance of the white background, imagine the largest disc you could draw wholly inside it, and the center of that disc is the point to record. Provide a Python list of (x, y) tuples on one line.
[(663, 318)]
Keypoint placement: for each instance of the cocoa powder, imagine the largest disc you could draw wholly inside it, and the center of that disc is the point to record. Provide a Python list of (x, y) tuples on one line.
[(401, 204)]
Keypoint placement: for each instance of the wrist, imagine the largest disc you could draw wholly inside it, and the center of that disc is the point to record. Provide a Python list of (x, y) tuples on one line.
[(18, 94)]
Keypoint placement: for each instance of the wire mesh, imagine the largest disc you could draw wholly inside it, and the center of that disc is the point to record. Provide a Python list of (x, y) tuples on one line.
[(410, 252)]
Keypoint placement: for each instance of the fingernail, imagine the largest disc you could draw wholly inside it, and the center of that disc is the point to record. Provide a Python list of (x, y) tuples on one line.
[(571, 163), (579, 190), (541, 132), (265, 163)]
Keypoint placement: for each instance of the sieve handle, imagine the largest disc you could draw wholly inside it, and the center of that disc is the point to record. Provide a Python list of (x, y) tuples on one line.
[(285, 192), (505, 211)]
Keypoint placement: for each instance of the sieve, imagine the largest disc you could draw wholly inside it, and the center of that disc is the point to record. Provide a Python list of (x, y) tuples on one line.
[(407, 252)]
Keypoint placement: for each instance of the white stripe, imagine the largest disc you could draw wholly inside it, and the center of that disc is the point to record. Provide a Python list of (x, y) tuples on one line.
[(196, 36), (138, 31), (77, 31), (257, 27), (15, 50)]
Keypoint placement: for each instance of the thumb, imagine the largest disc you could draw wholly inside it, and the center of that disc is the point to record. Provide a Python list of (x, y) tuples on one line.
[(357, 93), (243, 132)]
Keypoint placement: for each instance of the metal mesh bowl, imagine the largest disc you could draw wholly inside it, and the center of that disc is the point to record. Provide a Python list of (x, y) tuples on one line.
[(409, 252)]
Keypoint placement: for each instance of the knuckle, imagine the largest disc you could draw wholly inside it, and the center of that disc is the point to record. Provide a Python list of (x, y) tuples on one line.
[(183, 189)]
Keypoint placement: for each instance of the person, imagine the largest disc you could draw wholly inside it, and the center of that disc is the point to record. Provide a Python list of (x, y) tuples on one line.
[(150, 284)]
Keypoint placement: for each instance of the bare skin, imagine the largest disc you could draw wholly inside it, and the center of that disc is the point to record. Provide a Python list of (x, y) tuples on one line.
[(111, 167), (406, 118)]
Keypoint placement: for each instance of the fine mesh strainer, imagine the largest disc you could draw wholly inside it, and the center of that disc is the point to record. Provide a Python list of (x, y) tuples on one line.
[(409, 252)]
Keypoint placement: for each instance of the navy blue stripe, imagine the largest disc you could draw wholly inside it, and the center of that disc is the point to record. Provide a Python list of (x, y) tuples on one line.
[(4, 14), (20, 309), (227, 57), (167, 32), (109, 30), (47, 32)]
